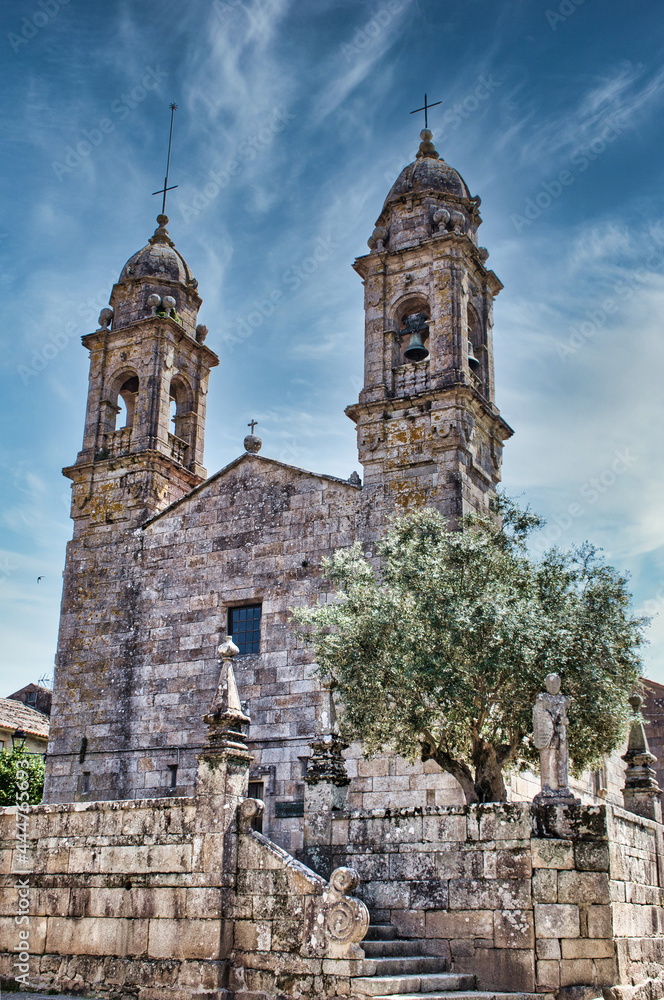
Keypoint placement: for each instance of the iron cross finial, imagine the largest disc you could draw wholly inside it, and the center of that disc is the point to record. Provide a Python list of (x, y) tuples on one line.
[(166, 188), (252, 424), (425, 110)]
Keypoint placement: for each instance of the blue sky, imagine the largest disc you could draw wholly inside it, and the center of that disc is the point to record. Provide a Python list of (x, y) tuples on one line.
[(292, 125)]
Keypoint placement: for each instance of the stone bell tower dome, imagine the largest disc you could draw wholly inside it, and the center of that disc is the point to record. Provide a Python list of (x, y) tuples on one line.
[(149, 368), (427, 425)]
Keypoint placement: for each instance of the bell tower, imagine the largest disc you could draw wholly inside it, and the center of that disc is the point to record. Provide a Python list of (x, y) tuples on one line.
[(149, 368), (428, 428)]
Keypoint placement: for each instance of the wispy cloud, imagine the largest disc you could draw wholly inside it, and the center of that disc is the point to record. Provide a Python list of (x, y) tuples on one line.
[(623, 95)]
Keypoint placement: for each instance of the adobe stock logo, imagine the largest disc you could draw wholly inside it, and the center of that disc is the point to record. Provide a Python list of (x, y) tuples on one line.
[(30, 26)]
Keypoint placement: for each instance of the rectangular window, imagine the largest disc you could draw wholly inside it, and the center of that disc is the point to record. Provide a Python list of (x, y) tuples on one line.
[(173, 769), (244, 625), (85, 784)]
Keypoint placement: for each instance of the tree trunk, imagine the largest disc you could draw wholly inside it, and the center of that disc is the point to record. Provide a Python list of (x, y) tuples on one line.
[(489, 781), (458, 769), (487, 785)]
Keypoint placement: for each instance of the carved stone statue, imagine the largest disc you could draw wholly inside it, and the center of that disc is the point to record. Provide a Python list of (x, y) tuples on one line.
[(550, 737)]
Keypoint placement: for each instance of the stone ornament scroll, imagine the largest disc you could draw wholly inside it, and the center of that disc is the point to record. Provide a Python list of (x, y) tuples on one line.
[(337, 922), (550, 738), (346, 918)]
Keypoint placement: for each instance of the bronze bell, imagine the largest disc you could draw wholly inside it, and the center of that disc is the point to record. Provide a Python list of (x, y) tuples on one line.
[(415, 325), (473, 363), (416, 351)]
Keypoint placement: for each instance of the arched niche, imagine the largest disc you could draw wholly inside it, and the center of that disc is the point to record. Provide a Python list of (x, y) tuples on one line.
[(181, 401), (118, 409), (406, 323), (477, 339)]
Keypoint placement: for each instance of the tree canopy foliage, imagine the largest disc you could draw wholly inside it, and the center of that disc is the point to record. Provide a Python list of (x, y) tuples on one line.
[(440, 651), (21, 775)]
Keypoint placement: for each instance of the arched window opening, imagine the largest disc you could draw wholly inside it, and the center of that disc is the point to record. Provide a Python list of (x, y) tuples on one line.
[(123, 416), (414, 333), (181, 420), (477, 352), (127, 397)]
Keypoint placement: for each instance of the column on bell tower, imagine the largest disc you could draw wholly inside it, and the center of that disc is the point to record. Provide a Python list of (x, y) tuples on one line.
[(149, 367), (429, 432)]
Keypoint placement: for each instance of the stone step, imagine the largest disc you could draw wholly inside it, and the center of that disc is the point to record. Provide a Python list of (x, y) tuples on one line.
[(401, 965), (381, 932), (407, 947), (464, 995), (426, 983)]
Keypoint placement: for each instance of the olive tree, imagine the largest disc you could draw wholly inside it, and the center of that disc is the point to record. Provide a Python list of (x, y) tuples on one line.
[(21, 777), (439, 649)]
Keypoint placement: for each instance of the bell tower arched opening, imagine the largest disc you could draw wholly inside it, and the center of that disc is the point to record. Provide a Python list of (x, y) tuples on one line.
[(413, 319), (182, 419), (126, 402)]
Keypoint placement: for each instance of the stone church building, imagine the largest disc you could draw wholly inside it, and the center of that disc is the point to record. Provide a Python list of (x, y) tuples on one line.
[(165, 561), (144, 873)]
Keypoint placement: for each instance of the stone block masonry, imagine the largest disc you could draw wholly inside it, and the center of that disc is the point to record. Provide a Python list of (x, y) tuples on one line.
[(527, 898), (164, 898)]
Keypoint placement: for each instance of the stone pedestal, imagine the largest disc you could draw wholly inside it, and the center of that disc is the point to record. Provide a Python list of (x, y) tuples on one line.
[(325, 793), (641, 794)]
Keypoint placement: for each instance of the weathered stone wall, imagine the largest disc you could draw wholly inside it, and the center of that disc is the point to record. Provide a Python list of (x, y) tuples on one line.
[(636, 870), (524, 897), (163, 898), (292, 933), (124, 898), (143, 613)]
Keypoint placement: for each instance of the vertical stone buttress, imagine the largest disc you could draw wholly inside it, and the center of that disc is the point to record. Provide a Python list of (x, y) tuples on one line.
[(142, 449), (428, 430)]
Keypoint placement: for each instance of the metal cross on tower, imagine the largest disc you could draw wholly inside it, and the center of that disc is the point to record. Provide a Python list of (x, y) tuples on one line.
[(425, 110), (166, 188), (252, 424)]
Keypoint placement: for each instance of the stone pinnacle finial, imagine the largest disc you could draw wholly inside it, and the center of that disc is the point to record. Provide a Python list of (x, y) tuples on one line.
[(161, 233), (226, 718), (326, 763), (641, 794), (427, 148)]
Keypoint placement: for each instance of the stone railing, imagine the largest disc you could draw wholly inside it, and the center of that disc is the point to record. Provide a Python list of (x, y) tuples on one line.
[(412, 378), (118, 443), (478, 384), (290, 918), (179, 449)]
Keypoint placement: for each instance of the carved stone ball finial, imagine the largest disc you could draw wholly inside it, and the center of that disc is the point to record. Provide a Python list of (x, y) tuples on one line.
[(377, 239), (252, 444), (228, 649), (105, 318), (201, 333), (441, 217), (154, 301), (427, 147), (635, 701)]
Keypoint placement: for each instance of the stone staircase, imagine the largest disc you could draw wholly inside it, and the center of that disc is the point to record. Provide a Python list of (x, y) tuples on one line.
[(399, 970)]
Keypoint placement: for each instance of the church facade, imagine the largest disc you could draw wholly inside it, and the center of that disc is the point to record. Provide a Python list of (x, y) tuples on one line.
[(164, 562)]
